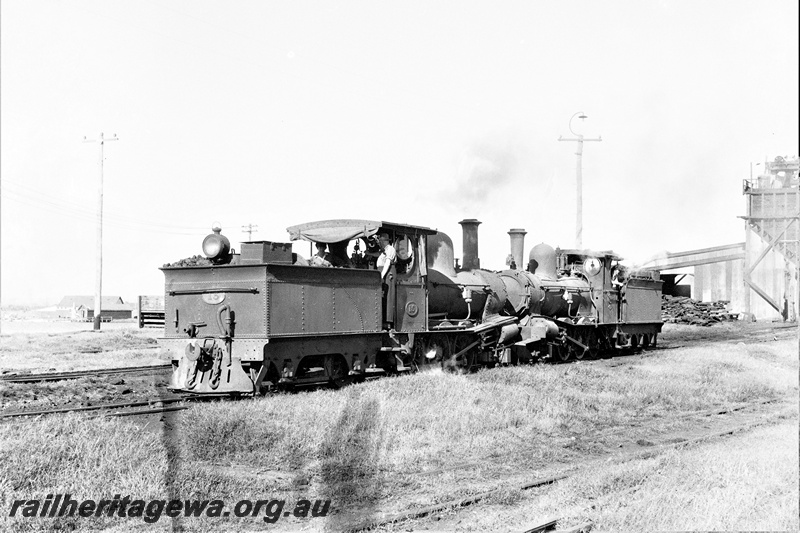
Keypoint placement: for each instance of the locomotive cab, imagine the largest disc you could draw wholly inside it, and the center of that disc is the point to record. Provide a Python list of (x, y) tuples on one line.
[(357, 240)]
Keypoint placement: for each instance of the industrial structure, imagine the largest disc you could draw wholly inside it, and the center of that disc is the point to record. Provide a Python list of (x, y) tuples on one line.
[(760, 275), (772, 236)]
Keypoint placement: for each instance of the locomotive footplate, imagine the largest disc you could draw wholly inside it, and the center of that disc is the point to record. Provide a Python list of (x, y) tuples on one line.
[(208, 367)]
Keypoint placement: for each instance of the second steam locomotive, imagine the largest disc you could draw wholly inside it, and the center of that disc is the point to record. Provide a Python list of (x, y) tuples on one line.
[(245, 322)]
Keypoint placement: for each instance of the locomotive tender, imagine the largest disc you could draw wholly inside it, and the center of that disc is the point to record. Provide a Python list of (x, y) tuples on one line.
[(242, 323)]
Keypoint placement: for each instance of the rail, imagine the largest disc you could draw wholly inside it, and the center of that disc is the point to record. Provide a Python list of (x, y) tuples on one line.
[(154, 406), (61, 376)]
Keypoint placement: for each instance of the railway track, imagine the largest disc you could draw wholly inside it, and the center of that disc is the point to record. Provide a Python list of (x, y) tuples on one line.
[(61, 376), (119, 409), (550, 525), (132, 408)]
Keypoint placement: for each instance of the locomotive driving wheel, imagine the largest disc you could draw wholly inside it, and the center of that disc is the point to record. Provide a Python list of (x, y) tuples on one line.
[(590, 340), (562, 353), (463, 356), (337, 371), (577, 352), (604, 344), (431, 350)]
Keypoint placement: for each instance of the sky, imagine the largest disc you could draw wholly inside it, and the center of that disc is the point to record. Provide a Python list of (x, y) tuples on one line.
[(283, 112)]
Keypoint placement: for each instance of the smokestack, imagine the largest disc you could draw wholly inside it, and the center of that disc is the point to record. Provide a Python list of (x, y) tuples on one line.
[(469, 228), (517, 236)]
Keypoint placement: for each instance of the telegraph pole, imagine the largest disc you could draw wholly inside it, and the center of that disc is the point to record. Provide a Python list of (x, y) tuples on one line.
[(579, 178), (249, 230), (98, 293)]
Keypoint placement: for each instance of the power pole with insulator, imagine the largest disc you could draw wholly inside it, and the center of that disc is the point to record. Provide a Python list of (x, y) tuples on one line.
[(249, 230), (98, 294)]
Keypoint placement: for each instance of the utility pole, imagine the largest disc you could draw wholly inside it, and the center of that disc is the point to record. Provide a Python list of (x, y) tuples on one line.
[(249, 230), (98, 293), (579, 178)]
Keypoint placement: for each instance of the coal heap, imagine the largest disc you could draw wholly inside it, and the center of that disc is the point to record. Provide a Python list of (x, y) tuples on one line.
[(684, 310), (195, 260)]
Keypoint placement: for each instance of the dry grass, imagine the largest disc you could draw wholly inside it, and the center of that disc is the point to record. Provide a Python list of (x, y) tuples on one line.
[(363, 445), (69, 455), (101, 458), (358, 444), (748, 482), (61, 352)]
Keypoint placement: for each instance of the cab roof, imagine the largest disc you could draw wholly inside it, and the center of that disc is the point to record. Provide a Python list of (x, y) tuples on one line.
[(330, 231), (589, 253)]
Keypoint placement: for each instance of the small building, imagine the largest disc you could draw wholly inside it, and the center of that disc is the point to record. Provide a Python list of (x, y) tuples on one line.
[(81, 308)]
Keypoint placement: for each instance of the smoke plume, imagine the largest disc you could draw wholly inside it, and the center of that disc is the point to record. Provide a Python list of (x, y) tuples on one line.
[(483, 170)]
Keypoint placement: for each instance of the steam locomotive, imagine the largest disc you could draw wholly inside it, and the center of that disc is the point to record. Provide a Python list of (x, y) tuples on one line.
[(238, 323)]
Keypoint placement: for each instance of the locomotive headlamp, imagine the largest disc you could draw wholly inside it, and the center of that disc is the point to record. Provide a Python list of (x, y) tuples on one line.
[(216, 246), (592, 266)]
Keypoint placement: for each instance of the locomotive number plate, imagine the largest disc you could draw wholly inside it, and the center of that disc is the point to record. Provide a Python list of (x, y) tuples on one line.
[(213, 298)]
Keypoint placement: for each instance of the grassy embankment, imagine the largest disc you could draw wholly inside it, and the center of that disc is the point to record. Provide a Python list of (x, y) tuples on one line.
[(364, 447)]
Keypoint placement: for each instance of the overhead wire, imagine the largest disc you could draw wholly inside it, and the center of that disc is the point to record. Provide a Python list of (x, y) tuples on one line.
[(80, 211), (77, 208)]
